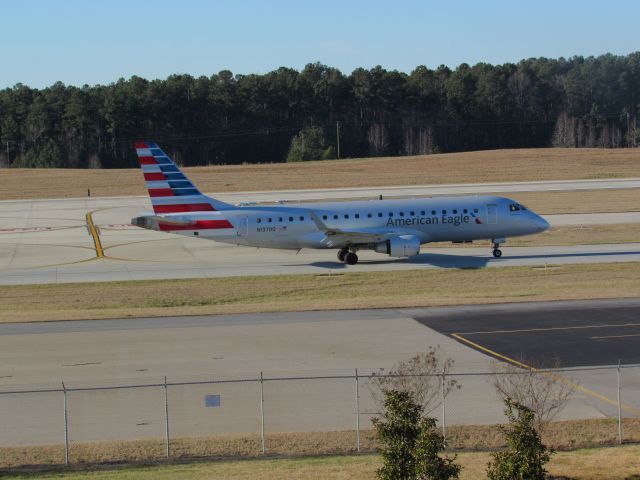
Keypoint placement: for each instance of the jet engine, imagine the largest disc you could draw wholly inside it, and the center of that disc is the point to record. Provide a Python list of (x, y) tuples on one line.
[(401, 246)]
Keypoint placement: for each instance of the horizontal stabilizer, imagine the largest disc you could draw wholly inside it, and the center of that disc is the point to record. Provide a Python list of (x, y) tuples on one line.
[(152, 221)]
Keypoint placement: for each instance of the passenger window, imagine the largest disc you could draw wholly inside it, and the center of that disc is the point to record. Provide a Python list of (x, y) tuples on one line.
[(433, 212), (302, 219), (258, 220), (455, 212), (402, 214), (412, 214), (444, 212), (324, 217), (357, 215), (291, 219), (391, 214), (465, 211), (423, 213), (475, 210), (380, 214), (269, 220), (335, 217), (279, 219), (368, 215), (346, 216)]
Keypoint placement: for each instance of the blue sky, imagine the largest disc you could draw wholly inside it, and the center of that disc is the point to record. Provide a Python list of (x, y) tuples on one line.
[(91, 42)]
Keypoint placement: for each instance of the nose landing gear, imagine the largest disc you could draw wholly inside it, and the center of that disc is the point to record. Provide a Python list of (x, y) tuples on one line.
[(497, 253)]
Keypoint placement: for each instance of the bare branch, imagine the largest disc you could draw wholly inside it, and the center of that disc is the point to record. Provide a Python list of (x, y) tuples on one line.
[(421, 376), (545, 393)]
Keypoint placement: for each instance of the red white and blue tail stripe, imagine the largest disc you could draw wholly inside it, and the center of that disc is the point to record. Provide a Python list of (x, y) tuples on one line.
[(170, 190)]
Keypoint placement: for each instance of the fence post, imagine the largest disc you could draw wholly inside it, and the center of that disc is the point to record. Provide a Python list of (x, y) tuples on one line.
[(444, 410), (166, 420), (619, 408), (66, 426), (357, 413), (262, 412)]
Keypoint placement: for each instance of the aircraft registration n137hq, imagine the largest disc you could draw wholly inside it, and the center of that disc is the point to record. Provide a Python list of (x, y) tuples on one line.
[(393, 227)]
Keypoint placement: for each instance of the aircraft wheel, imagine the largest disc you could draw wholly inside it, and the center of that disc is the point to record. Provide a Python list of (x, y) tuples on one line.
[(497, 252), (342, 253), (351, 258)]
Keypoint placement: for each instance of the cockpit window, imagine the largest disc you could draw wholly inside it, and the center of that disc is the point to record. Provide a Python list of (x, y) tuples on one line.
[(514, 207), (522, 207)]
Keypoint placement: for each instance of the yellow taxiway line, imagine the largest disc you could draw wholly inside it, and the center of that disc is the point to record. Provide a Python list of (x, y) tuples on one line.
[(93, 231), (575, 386)]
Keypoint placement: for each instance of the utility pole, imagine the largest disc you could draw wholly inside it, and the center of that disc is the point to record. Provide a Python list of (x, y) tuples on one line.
[(628, 131), (338, 136)]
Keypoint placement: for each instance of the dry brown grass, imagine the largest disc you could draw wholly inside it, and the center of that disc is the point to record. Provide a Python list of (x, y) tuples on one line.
[(582, 235), (468, 167), (573, 201), (579, 201), (411, 288), (565, 435)]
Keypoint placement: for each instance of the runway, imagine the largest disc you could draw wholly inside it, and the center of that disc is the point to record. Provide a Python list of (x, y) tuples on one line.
[(184, 259), (302, 344), (375, 192), (49, 241)]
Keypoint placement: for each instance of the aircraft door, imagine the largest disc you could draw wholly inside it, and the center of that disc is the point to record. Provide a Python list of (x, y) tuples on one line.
[(243, 226), (492, 214)]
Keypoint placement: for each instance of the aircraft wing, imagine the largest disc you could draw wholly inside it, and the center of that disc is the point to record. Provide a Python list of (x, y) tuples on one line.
[(337, 236)]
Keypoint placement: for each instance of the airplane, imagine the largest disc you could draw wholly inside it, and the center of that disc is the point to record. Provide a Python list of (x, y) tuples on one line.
[(395, 227)]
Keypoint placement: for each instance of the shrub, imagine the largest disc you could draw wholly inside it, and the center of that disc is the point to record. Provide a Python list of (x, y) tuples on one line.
[(525, 455)]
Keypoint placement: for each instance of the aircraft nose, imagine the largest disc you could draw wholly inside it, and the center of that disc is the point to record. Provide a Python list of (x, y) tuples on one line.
[(542, 224)]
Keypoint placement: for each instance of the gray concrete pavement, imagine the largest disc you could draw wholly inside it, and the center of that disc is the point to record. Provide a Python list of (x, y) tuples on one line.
[(182, 259), (48, 242), (142, 351), (577, 219)]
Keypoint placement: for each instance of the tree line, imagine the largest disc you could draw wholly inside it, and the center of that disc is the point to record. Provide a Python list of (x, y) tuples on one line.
[(233, 119)]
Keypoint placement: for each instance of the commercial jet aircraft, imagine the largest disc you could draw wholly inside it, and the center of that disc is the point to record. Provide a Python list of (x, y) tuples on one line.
[(393, 227)]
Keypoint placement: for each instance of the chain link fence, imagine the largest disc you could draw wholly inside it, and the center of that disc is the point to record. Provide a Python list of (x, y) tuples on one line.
[(263, 414)]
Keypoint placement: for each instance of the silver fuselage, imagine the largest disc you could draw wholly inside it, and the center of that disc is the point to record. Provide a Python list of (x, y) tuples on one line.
[(291, 226)]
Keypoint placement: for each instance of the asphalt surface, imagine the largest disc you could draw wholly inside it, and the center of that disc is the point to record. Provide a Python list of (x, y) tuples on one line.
[(582, 333)]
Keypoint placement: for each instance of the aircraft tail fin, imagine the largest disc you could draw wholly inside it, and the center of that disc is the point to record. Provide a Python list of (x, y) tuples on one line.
[(170, 190)]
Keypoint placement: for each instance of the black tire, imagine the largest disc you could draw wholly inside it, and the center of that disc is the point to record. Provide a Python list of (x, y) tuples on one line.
[(351, 258), (497, 252), (342, 254)]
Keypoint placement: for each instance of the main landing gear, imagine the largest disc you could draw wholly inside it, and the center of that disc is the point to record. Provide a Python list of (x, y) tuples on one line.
[(347, 256)]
